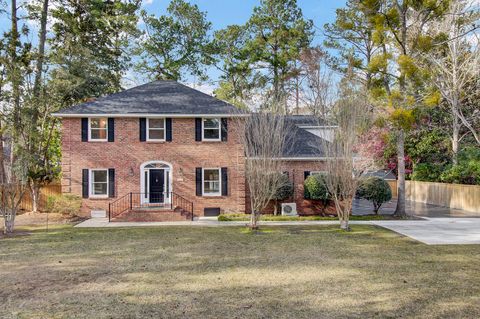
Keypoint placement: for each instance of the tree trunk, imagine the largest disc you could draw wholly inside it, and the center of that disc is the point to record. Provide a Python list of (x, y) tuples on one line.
[(3, 177), (343, 214), (35, 192), (41, 49), (253, 216), (455, 139), (400, 210), (41, 57), (9, 222), (275, 208), (253, 220), (297, 96), (14, 69), (15, 80)]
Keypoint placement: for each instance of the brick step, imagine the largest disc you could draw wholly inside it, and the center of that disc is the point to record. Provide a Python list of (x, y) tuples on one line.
[(153, 215)]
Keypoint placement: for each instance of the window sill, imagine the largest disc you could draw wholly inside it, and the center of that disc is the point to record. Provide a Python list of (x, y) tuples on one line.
[(97, 141), (213, 196), (155, 141), (98, 197)]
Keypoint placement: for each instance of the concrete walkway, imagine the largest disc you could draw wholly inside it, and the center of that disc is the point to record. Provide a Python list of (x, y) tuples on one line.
[(437, 231), (103, 222), (430, 231)]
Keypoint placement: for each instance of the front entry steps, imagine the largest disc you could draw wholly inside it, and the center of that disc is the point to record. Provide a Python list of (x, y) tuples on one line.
[(151, 214), (132, 208)]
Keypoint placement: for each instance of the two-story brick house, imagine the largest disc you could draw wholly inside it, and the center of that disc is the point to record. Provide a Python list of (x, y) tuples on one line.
[(164, 148)]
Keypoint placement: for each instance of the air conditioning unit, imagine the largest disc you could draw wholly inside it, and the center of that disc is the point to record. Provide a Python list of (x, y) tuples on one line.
[(289, 209)]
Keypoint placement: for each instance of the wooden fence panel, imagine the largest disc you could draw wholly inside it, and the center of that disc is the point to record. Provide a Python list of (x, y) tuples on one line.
[(45, 192), (459, 196), (466, 197), (393, 187)]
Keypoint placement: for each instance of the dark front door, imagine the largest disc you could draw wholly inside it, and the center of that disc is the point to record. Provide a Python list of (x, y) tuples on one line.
[(157, 180)]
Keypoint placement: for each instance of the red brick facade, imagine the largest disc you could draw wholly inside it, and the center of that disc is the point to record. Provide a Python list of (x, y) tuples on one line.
[(126, 155), (296, 172)]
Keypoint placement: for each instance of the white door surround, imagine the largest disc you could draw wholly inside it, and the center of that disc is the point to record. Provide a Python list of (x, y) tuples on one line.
[(145, 180)]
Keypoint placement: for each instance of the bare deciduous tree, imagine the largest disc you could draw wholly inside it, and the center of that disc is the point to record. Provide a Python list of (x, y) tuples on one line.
[(10, 199), (264, 137), (344, 163), (11, 194), (455, 67), (317, 93)]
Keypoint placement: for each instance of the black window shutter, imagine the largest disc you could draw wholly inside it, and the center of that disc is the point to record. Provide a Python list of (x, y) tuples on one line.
[(306, 174), (198, 129), (85, 183), (111, 129), (143, 129), (111, 182), (198, 181), (84, 129), (224, 181), (224, 129), (168, 125)]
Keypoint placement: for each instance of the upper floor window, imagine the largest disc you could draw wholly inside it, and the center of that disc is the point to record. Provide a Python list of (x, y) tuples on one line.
[(97, 129), (156, 129), (211, 129), (99, 182)]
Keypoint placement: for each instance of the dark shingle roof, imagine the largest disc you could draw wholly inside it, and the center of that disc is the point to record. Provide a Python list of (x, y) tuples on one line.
[(306, 120), (158, 97), (382, 173), (303, 144)]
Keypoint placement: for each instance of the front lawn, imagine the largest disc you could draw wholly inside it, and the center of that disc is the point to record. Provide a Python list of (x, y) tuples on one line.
[(228, 272), (276, 218)]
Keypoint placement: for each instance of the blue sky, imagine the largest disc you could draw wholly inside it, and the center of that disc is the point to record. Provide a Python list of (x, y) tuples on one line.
[(226, 12)]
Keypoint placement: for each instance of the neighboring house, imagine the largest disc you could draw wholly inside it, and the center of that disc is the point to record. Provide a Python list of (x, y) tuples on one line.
[(165, 147), (385, 174)]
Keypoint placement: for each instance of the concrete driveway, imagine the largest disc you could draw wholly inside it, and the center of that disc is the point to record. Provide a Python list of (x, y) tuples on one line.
[(439, 225), (437, 231), (363, 207)]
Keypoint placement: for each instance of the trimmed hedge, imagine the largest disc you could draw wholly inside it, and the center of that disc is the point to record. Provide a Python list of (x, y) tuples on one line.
[(64, 204), (315, 188), (376, 190)]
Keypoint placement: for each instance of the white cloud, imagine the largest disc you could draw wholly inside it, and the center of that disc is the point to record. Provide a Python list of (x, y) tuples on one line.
[(147, 1)]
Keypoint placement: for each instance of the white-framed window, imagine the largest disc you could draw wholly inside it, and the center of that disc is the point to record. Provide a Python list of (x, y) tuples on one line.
[(98, 183), (211, 129), (98, 129), (212, 182), (156, 129)]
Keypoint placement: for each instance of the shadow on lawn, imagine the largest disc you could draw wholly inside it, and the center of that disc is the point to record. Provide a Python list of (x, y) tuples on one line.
[(286, 272)]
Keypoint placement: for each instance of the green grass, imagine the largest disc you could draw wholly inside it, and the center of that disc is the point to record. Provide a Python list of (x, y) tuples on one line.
[(246, 217), (230, 272)]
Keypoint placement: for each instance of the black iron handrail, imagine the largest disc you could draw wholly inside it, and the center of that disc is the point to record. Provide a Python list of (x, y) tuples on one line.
[(132, 200)]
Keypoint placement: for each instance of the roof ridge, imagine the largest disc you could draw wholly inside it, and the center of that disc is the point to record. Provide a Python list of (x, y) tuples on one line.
[(159, 96), (100, 98)]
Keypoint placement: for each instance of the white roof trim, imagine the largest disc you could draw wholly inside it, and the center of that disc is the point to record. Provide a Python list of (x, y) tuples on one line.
[(316, 126), (296, 158), (146, 115)]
